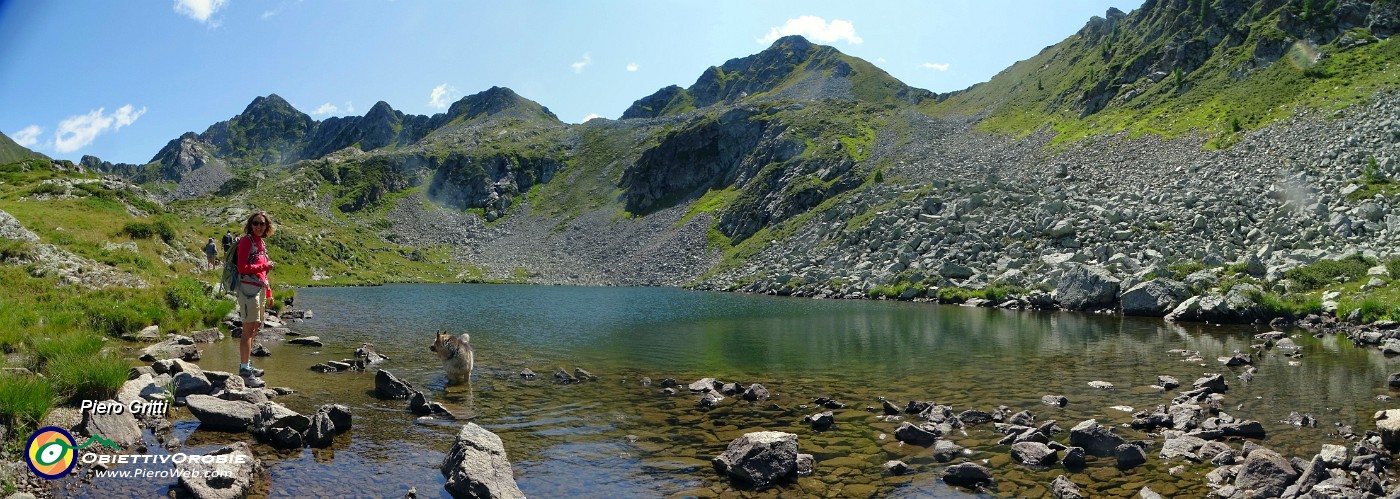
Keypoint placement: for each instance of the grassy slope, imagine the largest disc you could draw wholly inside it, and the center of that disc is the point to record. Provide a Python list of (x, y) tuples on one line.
[(1214, 100), (11, 152)]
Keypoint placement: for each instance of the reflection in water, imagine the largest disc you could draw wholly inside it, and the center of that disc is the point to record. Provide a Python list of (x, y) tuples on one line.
[(618, 438)]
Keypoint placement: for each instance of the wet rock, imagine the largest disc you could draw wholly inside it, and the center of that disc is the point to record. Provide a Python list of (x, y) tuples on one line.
[(367, 354), (1129, 456), (1168, 382), (339, 415), (1183, 447), (174, 347), (944, 451), (1239, 359), (1074, 458), (1063, 488), (234, 477), (477, 466), (756, 393), (221, 414), (670, 383), (923, 434), (306, 341), (759, 459), (418, 404), (260, 351), (974, 417), (122, 429), (967, 475), (1265, 473), (322, 430), (581, 374), (1023, 418), (1101, 385), (896, 467), (704, 385), (563, 377), (1213, 383), (828, 403), (710, 399), (1033, 454), (821, 421), (889, 408), (1246, 429), (645, 381), (389, 387), (1096, 439), (806, 464), (1054, 400), (731, 389), (915, 407), (527, 374), (339, 365)]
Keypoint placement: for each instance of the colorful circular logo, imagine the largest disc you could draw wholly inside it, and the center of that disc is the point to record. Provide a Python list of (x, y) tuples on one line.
[(51, 453)]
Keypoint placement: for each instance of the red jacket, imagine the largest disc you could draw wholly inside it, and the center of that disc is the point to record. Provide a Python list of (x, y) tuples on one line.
[(260, 264)]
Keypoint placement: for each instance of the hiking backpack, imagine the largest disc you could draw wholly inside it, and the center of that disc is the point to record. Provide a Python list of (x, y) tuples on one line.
[(229, 280)]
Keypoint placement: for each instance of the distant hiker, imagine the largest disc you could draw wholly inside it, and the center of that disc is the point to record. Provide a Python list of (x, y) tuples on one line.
[(212, 252), (228, 241), (254, 292)]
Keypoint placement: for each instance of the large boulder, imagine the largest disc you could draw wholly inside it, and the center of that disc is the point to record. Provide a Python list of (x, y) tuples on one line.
[(1153, 298), (760, 459), (121, 429), (1096, 439), (476, 466), (1234, 307), (220, 414), (230, 474), (1388, 422), (1085, 287), (1265, 474), (174, 347)]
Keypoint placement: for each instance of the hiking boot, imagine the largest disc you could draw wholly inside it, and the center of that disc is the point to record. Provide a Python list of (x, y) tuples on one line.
[(250, 372), (253, 381)]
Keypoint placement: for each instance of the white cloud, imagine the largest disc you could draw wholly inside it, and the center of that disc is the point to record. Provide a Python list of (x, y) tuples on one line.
[(633, 67), (28, 136), (938, 67), (127, 115), (349, 107), (325, 110), (200, 10), (77, 132), (269, 13), (589, 117), (815, 29), (578, 66), (442, 96)]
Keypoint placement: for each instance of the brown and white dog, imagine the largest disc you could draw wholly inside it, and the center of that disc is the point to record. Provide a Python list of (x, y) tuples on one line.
[(456, 355)]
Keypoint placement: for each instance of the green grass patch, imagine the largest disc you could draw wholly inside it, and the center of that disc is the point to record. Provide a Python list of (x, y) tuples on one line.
[(24, 401), (91, 377), (1329, 272)]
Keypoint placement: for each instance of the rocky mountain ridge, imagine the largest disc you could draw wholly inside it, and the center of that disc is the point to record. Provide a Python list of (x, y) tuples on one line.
[(800, 170)]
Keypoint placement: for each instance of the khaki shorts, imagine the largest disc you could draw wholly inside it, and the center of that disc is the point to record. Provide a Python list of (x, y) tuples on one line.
[(252, 309)]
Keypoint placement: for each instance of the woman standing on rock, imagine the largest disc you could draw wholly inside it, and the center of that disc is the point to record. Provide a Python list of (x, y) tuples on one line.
[(254, 291)]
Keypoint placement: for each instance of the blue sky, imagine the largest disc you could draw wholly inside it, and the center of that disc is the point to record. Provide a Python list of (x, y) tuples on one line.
[(118, 80)]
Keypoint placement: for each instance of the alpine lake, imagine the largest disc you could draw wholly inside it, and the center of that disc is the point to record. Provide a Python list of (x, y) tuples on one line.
[(618, 437)]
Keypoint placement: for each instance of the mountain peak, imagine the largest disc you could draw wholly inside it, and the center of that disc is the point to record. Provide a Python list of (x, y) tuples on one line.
[(792, 68), (498, 102)]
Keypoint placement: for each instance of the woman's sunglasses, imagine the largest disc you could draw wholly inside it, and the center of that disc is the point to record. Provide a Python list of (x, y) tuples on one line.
[(259, 223)]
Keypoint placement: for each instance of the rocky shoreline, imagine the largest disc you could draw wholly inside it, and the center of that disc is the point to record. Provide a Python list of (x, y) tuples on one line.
[(1195, 426)]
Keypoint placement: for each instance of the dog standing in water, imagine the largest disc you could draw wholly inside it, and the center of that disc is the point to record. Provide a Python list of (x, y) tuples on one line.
[(456, 355)]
